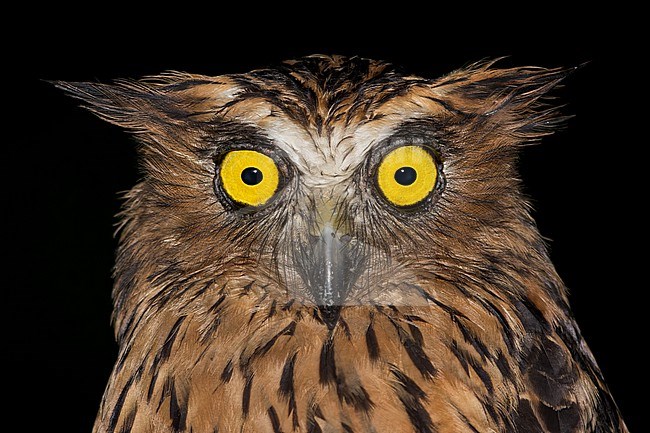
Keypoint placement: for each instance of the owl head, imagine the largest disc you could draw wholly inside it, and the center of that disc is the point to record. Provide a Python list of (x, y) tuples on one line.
[(327, 182)]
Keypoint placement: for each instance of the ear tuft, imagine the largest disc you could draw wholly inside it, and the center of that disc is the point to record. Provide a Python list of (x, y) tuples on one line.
[(516, 98), (129, 104)]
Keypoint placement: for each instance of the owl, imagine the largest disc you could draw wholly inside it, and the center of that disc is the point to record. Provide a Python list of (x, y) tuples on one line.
[(335, 246)]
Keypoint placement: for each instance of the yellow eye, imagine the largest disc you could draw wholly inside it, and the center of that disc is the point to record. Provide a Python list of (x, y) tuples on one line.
[(407, 175), (248, 177)]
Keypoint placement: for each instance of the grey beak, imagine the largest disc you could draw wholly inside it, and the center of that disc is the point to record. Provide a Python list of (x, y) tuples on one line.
[(329, 266)]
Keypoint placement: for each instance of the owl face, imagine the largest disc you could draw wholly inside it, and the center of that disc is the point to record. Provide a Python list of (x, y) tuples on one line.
[(327, 182), (337, 211)]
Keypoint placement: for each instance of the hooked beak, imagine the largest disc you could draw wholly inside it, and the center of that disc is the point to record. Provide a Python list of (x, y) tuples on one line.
[(329, 266)]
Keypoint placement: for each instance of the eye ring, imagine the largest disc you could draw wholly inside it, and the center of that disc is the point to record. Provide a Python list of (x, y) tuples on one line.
[(407, 175), (248, 177)]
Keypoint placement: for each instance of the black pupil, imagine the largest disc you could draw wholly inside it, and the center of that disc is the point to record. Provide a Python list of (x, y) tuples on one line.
[(251, 176), (405, 175)]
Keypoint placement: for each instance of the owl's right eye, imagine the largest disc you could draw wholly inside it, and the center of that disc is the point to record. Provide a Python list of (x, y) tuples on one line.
[(248, 177)]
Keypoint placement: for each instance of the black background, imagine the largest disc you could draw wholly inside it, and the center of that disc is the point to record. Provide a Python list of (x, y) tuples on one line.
[(64, 169)]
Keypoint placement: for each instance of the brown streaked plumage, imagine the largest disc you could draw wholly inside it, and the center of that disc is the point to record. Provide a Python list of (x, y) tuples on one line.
[(329, 309)]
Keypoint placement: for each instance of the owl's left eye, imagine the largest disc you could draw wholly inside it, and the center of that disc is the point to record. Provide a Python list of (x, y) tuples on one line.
[(407, 175), (248, 177)]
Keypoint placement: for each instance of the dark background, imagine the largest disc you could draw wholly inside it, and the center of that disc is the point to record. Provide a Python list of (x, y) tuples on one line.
[(65, 169)]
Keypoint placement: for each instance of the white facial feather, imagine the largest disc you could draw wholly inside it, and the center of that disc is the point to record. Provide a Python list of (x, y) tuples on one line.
[(331, 156)]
